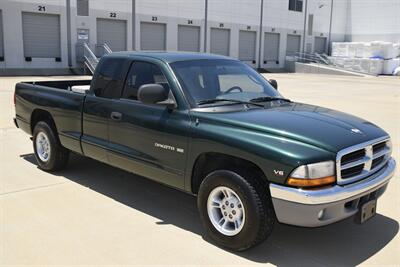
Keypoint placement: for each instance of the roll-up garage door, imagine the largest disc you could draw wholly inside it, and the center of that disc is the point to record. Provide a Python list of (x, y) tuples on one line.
[(320, 45), (219, 39), (293, 44), (113, 33), (41, 35), (152, 36), (188, 38), (271, 47), (1, 37), (247, 45)]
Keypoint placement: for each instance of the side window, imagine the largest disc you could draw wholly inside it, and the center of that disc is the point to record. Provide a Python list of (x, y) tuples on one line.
[(82, 7), (109, 78), (296, 5), (142, 73)]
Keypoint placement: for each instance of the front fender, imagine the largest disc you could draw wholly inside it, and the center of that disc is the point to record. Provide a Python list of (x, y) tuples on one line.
[(276, 156)]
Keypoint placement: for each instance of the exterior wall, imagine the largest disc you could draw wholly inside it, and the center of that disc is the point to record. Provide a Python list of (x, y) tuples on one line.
[(172, 13), (99, 9), (339, 20), (237, 15), (369, 22), (279, 19), (352, 20)]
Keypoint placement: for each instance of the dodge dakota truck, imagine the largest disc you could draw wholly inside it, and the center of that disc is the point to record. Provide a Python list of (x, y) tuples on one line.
[(213, 127)]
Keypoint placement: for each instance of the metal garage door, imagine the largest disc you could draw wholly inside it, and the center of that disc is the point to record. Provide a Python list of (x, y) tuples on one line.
[(293, 44), (247, 45), (271, 47), (219, 39), (188, 38), (152, 36), (1, 36), (41, 35), (113, 33), (320, 45)]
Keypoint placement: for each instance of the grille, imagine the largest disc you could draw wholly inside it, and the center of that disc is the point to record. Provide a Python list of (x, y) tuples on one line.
[(360, 161)]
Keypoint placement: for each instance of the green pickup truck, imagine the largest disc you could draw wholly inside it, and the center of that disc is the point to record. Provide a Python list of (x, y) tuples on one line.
[(213, 127)]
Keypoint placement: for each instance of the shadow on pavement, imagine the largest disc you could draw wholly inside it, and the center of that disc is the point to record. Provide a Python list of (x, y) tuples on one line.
[(344, 243)]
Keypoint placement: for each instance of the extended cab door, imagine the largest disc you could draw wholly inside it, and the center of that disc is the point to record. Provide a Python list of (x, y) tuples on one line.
[(150, 140), (107, 84)]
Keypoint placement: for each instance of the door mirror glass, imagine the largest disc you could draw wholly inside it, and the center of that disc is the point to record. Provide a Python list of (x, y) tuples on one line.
[(274, 83), (152, 93)]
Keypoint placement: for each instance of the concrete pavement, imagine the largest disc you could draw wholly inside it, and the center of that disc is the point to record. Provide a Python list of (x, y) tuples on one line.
[(93, 214)]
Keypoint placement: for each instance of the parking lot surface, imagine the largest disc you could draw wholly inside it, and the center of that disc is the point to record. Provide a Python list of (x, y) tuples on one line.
[(94, 214)]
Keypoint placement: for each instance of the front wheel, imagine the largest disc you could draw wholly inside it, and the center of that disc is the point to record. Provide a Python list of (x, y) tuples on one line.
[(49, 153), (236, 212)]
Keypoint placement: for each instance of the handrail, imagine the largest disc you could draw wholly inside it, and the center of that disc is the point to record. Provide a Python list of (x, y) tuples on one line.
[(309, 58), (103, 49), (320, 59), (91, 59), (107, 48), (88, 50)]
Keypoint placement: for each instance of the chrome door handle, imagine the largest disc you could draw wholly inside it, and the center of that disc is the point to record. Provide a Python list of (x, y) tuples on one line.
[(116, 116)]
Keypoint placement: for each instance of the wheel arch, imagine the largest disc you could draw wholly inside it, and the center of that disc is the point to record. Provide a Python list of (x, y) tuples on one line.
[(208, 162), (43, 115)]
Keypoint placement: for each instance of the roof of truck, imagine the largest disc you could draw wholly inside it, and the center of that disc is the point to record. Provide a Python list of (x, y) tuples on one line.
[(169, 57)]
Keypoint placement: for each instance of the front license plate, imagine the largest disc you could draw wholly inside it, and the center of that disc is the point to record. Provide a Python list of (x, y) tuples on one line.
[(367, 211)]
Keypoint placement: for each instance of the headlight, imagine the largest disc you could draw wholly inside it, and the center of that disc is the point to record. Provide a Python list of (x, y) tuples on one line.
[(310, 175)]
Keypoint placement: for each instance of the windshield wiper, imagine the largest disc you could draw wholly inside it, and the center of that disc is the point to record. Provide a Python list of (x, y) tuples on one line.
[(215, 100), (268, 98)]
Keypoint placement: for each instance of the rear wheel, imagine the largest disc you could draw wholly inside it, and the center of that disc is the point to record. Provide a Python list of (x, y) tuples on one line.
[(236, 212), (49, 153)]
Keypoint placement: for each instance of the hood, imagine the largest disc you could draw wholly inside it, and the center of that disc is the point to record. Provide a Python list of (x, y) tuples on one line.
[(322, 127)]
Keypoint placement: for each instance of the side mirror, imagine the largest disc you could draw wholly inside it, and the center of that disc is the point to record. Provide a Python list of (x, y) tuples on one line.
[(154, 94), (274, 83)]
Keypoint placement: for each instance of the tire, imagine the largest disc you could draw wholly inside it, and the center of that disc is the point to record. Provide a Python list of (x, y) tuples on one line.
[(49, 153), (255, 213)]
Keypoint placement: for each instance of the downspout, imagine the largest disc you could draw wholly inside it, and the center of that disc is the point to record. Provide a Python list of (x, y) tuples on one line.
[(304, 30), (205, 24), (260, 34), (330, 30), (134, 25), (68, 6)]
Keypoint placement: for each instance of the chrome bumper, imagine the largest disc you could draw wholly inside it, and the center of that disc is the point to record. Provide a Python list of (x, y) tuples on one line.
[(301, 207)]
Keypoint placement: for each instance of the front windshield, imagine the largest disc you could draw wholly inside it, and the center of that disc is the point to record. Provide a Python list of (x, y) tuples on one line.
[(204, 80)]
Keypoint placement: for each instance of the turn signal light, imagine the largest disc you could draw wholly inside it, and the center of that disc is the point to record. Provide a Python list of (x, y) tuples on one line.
[(301, 182)]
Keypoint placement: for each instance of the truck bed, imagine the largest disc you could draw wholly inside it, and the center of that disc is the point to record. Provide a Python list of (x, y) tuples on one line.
[(64, 85), (60, 100)]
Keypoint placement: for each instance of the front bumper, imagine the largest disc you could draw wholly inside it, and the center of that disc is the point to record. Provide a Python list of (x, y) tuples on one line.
[(303, 207)]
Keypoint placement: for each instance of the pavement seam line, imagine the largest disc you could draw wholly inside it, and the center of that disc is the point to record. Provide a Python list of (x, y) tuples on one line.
[(32, 188)]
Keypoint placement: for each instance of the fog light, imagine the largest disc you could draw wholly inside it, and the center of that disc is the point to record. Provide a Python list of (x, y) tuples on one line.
[(321, 214)]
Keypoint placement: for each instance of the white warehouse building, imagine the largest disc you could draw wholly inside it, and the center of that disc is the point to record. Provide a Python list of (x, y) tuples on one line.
[(47, 36)]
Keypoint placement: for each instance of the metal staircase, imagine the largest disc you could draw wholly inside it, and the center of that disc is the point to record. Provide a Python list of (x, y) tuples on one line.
[(311, 58), (320, 61), (90, 59)]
